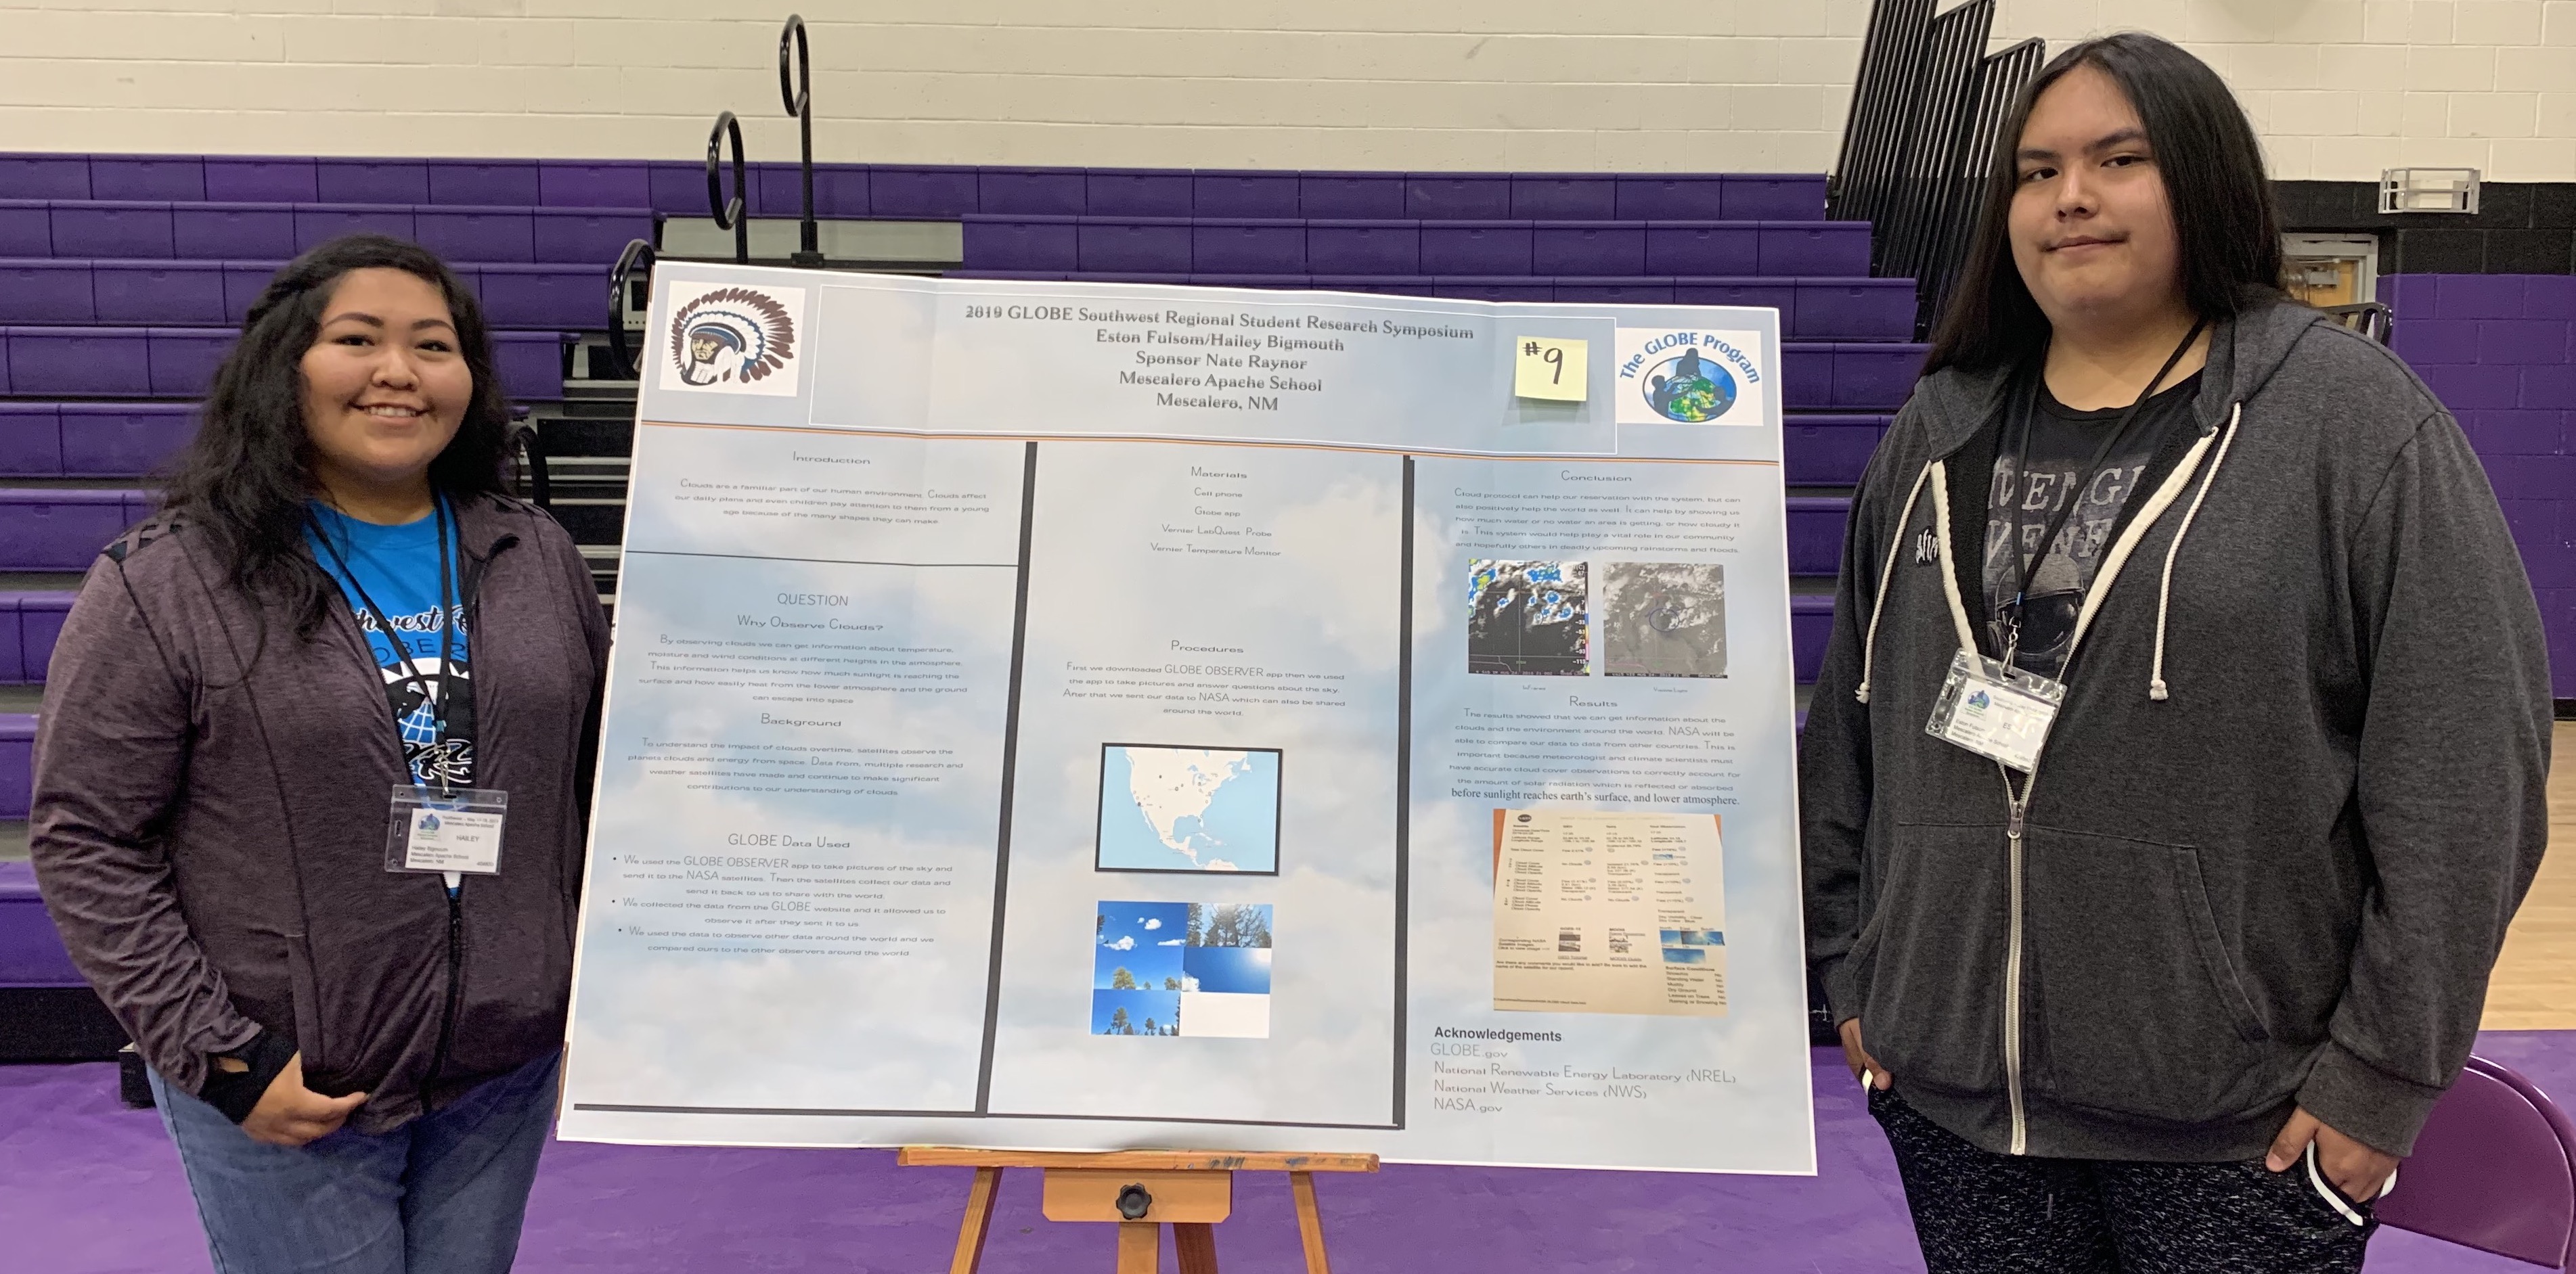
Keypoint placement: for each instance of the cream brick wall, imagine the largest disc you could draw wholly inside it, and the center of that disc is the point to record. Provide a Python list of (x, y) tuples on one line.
[(2340, 88)]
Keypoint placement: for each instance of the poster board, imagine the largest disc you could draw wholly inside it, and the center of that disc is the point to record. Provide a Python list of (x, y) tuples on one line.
[(1089, 717)]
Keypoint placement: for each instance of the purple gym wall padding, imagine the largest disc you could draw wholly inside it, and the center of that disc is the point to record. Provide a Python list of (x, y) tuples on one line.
[(1811, 624), (31, 440), (57, 529), (44, 177), (80, 361), (2491, 1170), (1030, 192), (26, 230), (1458, 196), (251, 179), (1828, 451), (1139, 245), (1565, 196), (1261, 194), (485, 182), (17, 762), (31, 950), (158, 291), (2499, 350), (174, 177), (1136, 192), (40, 291), (93, 229), (123, 440), (393, 181), (1247, 246), (1588, 249), (230, 232), (40, 625), (1815, 524), (1350, 196), (13, 663), (1021, 242)]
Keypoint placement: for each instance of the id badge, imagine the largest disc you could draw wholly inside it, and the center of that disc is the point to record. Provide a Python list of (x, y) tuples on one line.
[(459, 831), (1995, 710)]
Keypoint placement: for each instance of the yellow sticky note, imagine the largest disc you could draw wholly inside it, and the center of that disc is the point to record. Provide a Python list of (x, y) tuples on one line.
[(1549, 367)]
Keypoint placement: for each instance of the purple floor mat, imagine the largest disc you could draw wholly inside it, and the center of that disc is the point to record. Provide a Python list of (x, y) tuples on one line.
[(88, 1187)]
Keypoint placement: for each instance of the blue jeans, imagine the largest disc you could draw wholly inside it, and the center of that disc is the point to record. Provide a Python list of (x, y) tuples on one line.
[(443, 1194)]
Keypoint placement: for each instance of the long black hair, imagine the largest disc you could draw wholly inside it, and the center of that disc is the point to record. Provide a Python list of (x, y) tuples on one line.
[(246, 482), (2212, 167)]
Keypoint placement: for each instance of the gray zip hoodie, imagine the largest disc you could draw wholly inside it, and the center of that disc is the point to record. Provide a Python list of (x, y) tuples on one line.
[(2291, 801)]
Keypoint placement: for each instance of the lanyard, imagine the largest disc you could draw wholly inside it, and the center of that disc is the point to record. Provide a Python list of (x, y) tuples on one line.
[(402, 649), (2075, 494)]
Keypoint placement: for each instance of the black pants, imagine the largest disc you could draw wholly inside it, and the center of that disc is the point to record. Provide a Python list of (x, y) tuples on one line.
[(1978, 1212)]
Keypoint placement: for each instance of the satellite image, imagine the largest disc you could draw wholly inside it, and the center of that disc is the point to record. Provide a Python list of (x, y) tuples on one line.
[(1663, 619), (1527, 619)]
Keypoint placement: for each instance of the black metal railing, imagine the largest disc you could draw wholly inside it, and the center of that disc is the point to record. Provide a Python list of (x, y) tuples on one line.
[(798, 96), (1925, 119), (634, 266), (731, 214)]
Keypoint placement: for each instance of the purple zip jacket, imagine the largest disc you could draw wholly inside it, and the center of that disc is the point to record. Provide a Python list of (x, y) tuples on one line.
[(211, 803)]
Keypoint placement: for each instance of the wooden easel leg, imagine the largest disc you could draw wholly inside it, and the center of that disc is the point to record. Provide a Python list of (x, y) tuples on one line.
[(1196, 1242), (1140, 1247), (1310, 1223), (979, 1221)]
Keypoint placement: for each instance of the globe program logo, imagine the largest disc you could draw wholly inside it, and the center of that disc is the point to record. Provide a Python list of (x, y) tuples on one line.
[(1685, 377), (734, 339), (1689, 389)]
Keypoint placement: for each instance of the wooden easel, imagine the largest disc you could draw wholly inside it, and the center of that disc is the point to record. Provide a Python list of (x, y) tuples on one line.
[(1140, 1190)]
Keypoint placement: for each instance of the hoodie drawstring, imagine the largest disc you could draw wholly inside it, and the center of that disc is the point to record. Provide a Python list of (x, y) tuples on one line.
[(2164, 585), (1886, 574)]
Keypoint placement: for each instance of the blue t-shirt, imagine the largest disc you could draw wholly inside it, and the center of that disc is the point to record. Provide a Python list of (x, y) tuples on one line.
[(397, 568)]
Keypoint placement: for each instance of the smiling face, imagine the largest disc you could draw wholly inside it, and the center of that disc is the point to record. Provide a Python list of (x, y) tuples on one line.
[(2092, 232), (385, 382)]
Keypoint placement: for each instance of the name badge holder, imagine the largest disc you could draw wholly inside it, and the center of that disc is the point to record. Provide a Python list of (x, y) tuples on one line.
[(458, 830), (1995, 710)]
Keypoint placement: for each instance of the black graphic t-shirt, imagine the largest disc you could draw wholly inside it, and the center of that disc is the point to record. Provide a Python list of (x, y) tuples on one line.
[(2062, 439)]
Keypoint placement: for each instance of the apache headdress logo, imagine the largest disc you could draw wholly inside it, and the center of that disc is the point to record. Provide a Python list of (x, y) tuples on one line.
[(732, 336)]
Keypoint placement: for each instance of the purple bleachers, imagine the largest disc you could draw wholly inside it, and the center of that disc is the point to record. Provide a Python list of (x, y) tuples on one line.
[(1146, 245), (91, 440), (1243, 246), (89, 229), (182, 293), (59, 529), (1476, 247), (31, 950), (1816, 534), (29, 625), (177, 362), (920, 190), (17, 762), (1588, 248), (1829, 451), (1811, 625), (1359, 247)]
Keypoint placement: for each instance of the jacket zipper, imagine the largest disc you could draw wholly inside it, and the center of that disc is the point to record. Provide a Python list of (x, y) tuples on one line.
[(2017, 805), (456, 896)]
